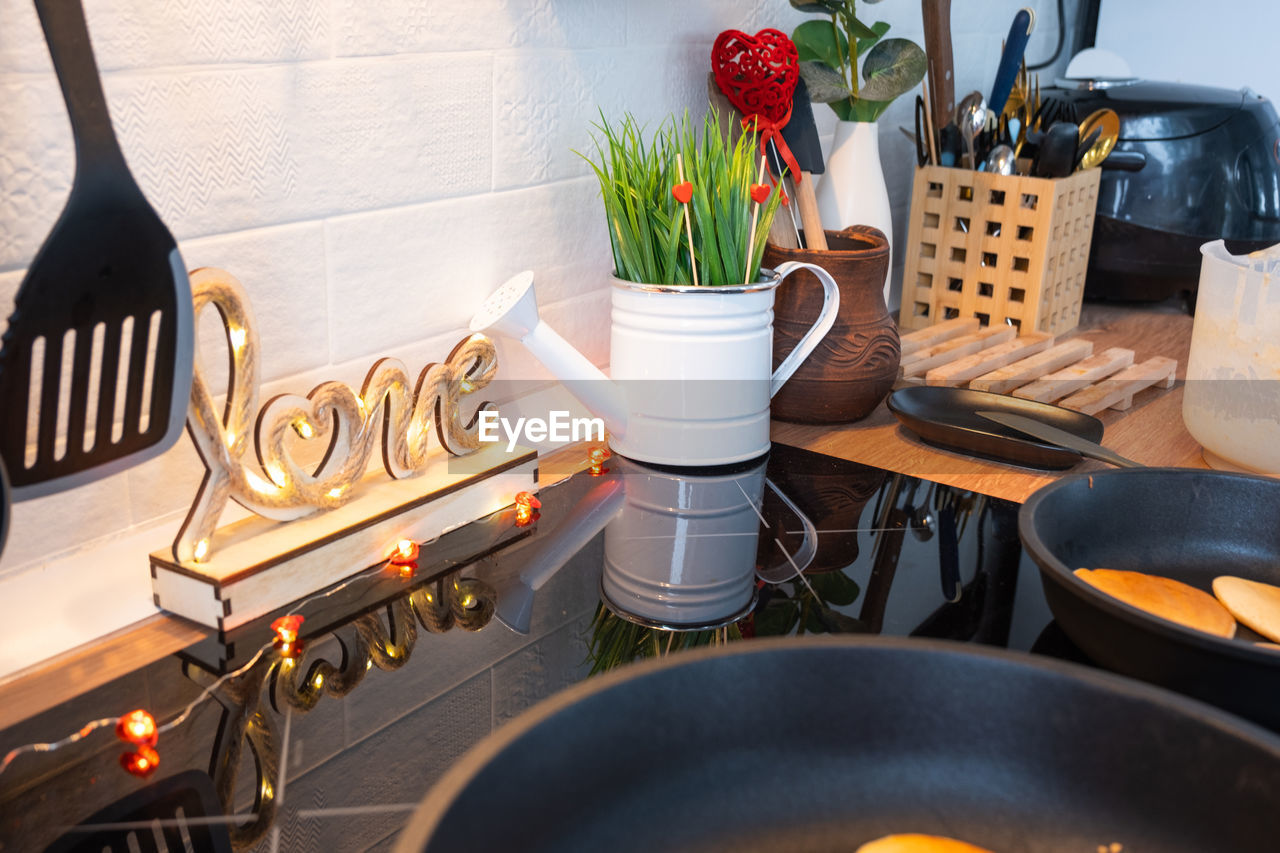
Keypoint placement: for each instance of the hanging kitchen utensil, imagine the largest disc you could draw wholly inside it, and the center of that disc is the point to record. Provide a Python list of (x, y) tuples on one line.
[(1011, 59), (108, 293), (801, 135), (1106, 124)]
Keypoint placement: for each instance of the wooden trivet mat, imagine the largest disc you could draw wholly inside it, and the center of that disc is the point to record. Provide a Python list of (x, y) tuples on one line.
[(1032, 366)]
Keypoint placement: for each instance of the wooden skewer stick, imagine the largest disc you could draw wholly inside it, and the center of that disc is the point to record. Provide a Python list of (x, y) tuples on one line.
[(688, 228), (931, 141), (755, 215)]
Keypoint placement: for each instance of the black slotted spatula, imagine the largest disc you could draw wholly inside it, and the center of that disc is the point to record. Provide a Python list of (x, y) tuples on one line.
[(95, 367)]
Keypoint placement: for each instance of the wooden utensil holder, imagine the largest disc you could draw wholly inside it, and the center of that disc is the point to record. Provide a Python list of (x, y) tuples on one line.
[(1001, 248)]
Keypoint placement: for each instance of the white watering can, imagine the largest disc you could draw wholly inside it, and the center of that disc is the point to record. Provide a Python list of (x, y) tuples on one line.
[(691, 365), (679, 547)]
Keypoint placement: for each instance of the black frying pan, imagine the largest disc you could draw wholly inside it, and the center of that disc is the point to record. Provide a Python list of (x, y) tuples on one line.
[(1188, 524), (823, 744)]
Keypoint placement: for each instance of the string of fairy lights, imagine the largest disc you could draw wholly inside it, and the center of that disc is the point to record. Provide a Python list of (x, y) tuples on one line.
[(138, 728)]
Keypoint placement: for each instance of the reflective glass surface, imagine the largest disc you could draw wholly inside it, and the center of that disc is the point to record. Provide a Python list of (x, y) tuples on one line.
[(398, 676)]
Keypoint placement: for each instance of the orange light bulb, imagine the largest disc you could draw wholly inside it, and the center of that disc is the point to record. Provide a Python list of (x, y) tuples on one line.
[(405, 551), (286, 629), (596, 460), (526, 506), (137, 727), (141, 763)]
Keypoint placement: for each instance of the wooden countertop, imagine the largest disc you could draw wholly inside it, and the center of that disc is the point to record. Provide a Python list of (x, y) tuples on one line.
[(1151, 431)]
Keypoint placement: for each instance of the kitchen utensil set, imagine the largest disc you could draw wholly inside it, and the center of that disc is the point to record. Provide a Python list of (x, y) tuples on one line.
[(1014, 117)]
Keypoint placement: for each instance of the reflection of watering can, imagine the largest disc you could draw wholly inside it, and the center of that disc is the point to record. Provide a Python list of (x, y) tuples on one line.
[(691, 382), (680, 548)]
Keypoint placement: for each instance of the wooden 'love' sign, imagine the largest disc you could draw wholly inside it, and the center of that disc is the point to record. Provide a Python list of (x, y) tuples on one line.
[(341, 517)]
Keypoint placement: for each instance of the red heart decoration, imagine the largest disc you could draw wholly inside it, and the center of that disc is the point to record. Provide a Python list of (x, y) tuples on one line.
[(683, 192), (757, 73), (760, 193)]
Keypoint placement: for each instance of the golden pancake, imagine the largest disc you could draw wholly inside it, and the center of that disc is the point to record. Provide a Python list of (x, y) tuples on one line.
[(916, 843), (1164, 597), (1256, 605)]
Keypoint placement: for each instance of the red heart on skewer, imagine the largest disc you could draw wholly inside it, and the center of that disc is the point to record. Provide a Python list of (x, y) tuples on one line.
[(757, 73), (683, 192), (760, 193)]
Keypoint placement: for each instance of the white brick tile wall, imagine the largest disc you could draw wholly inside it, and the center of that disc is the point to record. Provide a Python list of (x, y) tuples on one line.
[(147, 34), (403, 274), (370, 171), (546, 101), (424, 26), (682, 22), (59, 524), (282, 270), (35, 163)]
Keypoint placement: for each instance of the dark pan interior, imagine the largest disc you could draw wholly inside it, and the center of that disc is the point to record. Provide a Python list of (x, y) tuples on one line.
[(948, 418), (1190, 525), (826, 744)]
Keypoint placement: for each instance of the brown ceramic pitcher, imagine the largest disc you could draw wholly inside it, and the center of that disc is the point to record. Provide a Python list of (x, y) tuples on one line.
[(855, 365)]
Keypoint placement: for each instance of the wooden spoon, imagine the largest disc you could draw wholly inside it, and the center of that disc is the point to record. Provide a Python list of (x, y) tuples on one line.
[(1256, 605), (1164, 597), (917, 843)]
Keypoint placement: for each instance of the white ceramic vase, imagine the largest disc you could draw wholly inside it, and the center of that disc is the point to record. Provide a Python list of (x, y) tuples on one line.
[(852, 190)]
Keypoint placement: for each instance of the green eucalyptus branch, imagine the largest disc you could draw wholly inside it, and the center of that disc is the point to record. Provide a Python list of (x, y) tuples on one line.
[(829, 61)]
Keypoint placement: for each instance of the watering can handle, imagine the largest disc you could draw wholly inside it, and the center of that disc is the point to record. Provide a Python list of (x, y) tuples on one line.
[(818, 331), (798, 562)]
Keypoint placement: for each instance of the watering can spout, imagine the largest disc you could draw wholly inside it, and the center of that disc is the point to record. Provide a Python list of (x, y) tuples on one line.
[(512, 311)]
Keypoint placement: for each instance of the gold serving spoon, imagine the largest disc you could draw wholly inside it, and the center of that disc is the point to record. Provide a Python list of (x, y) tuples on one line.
[(1108, 123)]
